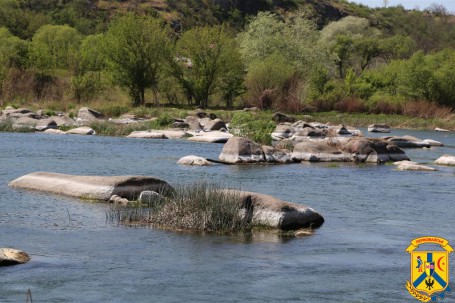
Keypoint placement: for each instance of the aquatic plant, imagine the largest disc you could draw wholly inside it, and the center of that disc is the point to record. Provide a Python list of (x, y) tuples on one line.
[(196, 207)]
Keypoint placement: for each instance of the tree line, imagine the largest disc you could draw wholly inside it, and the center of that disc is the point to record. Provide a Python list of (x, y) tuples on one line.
[(274, 62)]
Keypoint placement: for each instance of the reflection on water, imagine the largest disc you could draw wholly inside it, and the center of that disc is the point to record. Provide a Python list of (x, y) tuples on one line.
[(371, 212)]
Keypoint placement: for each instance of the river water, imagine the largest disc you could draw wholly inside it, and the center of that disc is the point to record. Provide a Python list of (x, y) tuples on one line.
[(358, 255)]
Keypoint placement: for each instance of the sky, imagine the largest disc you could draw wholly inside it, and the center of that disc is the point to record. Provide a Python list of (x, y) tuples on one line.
[(410, 4)]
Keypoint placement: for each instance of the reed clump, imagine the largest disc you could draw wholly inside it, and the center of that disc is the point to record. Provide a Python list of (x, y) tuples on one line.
[(195, 207)]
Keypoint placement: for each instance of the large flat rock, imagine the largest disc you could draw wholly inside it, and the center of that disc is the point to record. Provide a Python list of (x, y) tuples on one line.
[(90, 187)]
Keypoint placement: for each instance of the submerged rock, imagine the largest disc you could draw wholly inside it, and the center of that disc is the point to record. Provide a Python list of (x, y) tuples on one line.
[(414, 167), (11, 256), (193, 161), (90, 187)]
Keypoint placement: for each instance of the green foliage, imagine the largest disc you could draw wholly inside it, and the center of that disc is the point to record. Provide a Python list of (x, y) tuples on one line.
[(54, 46), (253, 126), (135, 48), (205, 57), (164, 120)]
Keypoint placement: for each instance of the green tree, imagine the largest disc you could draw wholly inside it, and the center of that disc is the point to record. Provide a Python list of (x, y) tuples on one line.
[(205, 57), (135, 48), (54, 46)]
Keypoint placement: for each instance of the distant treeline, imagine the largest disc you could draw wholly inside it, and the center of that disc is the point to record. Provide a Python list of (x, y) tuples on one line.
[(385, 60)]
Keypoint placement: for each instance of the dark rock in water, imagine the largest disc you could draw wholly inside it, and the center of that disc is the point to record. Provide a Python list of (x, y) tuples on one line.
[(90, 187), (241, 150), (11, 256), (265, 210), (281, 118)]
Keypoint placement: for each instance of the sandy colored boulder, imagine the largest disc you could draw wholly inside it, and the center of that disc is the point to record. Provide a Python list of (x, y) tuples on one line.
[(25, 122), (63, 120), (89, 115), (11, 256), (44, 124), (193, 161), (90, 187), (373, 150), (445, 160)]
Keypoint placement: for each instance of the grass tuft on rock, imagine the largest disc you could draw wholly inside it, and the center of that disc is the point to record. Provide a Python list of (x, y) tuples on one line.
[(195, 207)]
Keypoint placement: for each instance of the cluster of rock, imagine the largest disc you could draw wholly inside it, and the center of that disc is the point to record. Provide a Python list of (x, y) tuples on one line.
[(202, 127), (25, 118)]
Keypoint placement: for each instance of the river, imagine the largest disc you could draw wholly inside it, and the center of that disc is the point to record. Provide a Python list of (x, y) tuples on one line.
[(371, 214)]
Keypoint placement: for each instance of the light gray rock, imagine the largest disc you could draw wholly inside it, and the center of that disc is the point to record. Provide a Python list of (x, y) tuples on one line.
[(445, 160), (148, 196), (211, 137), (11, 256), (193, 123), (338, 130), (379, 128), (282, 131), (414, 167), (173, 133), (90, 187), (251, 109), (433, 142), (407, 141), (405, 162), (44, 124), (54, 131), (265, 210), (83, 130), (318, 152), (437, 129), (241, 150), (372, 150), (117, 200), (89, 115), (193, 161), (274, 155), (147, 135), (63, 121), (25, 122)]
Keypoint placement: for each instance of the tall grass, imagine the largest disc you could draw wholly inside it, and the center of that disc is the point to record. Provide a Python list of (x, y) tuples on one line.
[(195, 207)]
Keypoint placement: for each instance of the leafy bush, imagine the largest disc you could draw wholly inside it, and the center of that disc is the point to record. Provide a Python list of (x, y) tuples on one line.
[(253, 126)]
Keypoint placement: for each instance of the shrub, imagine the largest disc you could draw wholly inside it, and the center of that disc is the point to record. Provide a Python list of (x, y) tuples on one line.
[(195, 207), (253, 126)]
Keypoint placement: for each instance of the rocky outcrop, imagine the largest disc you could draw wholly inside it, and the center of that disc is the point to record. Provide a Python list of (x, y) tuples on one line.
[(282, 131), (63, 120), (379, 128), (90, 187), (44, 124), (372, 150), (216, 124), (275, 155), (241, 150), (86, 114), (11, 256), (193, 161), (193, 123), (318, 152), (268, 211), (445, 160), (25, 122)]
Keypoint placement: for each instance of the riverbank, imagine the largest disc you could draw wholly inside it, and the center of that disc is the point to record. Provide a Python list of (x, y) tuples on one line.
[(163, 117)]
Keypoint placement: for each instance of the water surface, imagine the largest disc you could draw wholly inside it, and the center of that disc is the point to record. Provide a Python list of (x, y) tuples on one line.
[(371, 212)]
